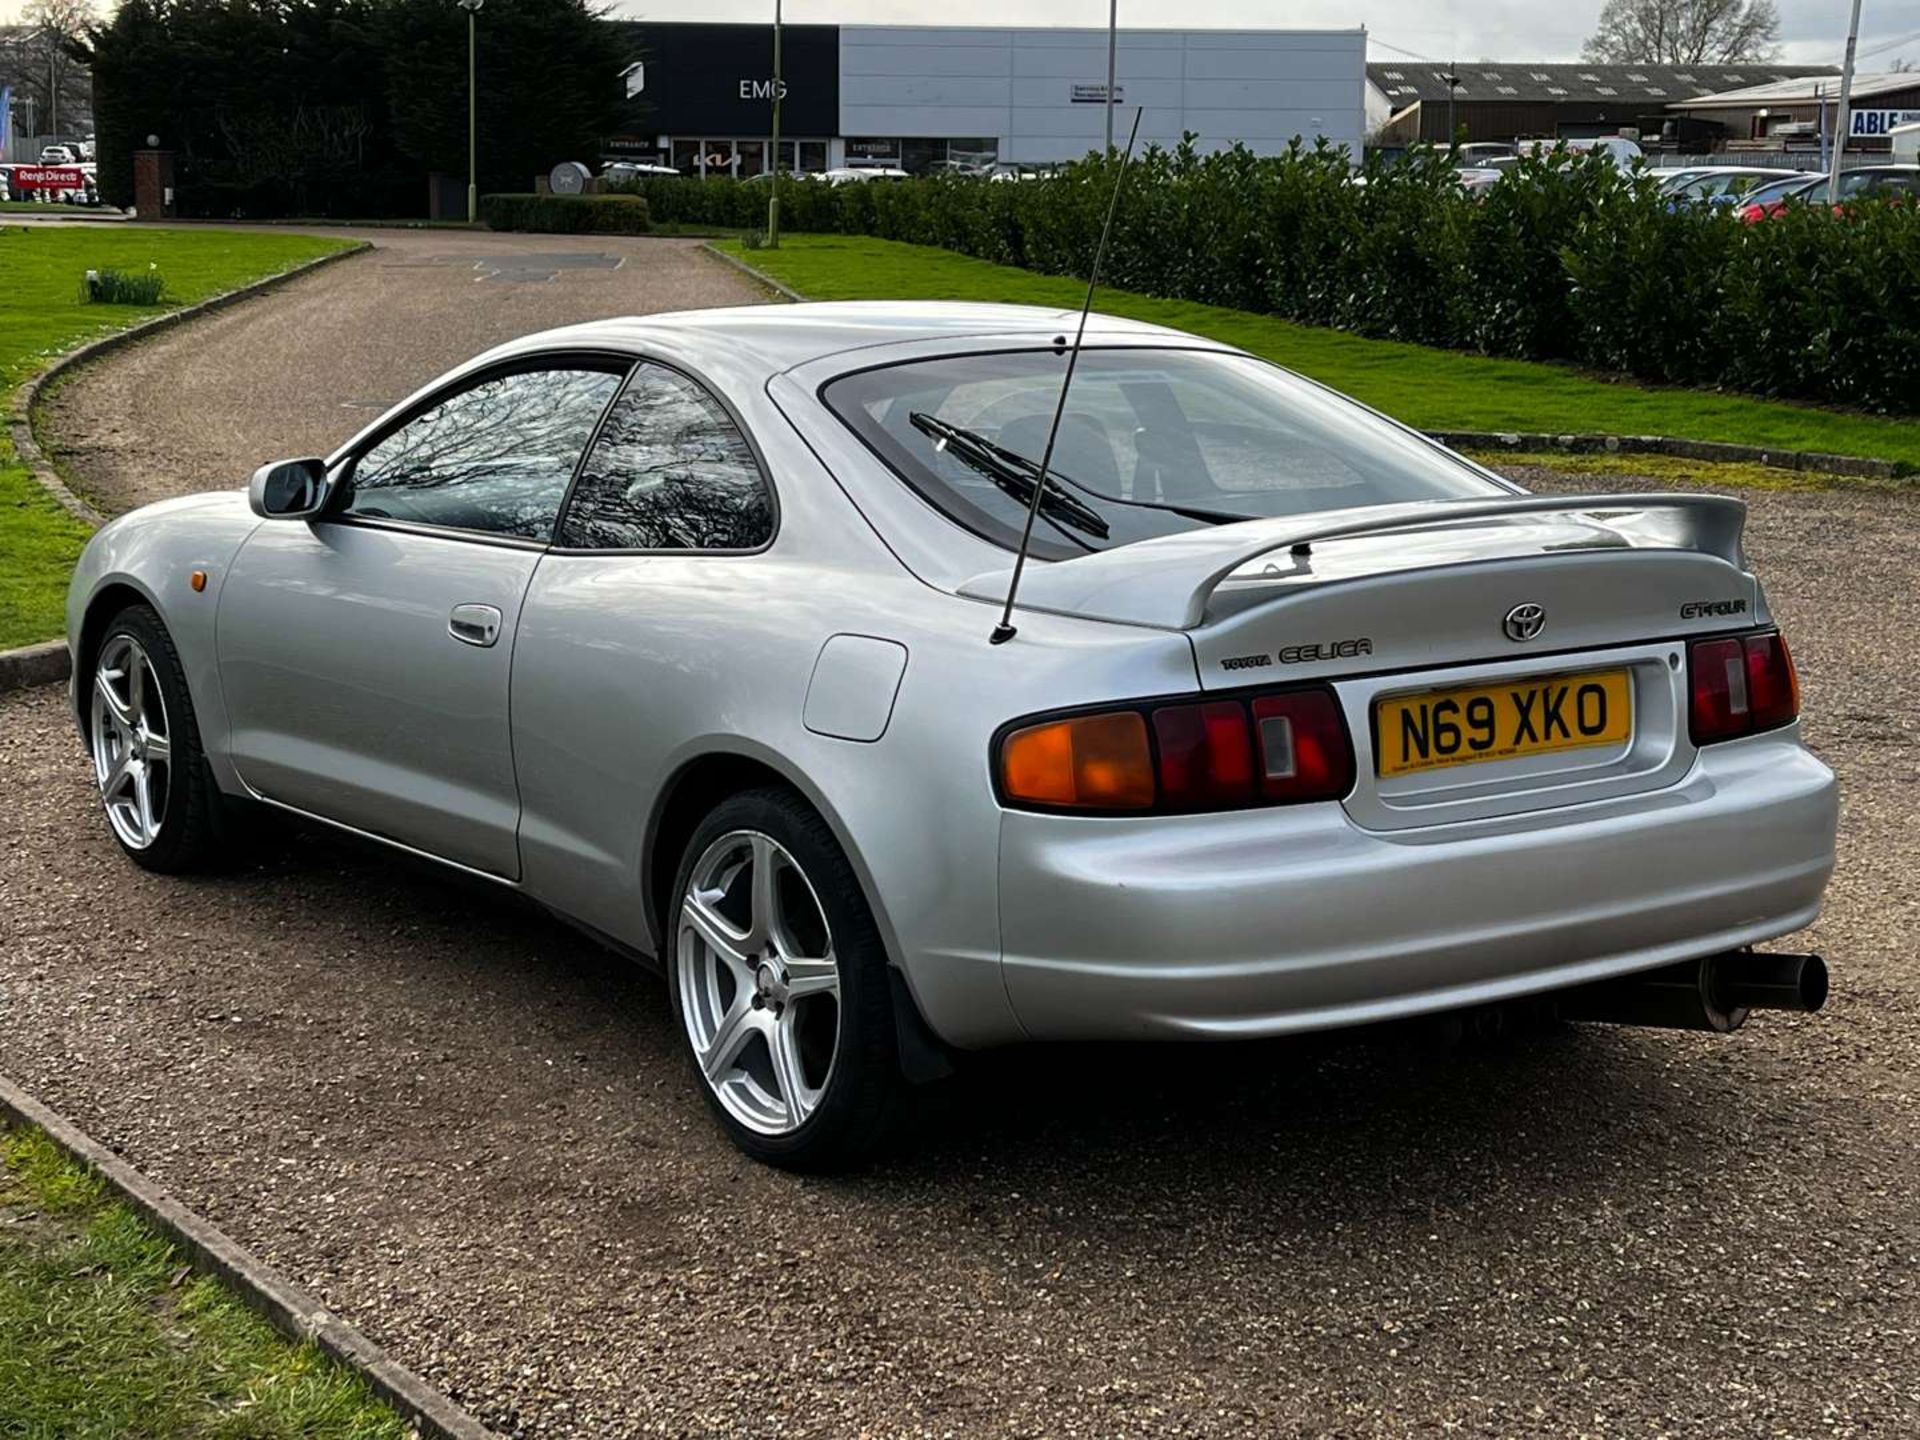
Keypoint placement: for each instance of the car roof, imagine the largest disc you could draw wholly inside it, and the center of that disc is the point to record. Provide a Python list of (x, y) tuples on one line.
[(783, 336)]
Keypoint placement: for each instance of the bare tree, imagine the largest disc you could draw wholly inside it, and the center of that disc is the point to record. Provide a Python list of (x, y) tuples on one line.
[(37, 60), (1686, 32)]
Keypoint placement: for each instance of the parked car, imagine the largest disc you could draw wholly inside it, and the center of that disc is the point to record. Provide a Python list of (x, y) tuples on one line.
[(625, 172), (1617, 148), (1868, 180), (1762, 199), (1711, 183), (1476, 180), (1476, 154), (862, 174), (57, 155), (685, 627)]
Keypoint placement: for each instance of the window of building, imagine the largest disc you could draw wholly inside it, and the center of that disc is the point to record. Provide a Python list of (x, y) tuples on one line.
[(1394, 75), (1506, 89), (1538, 75), (494, 458), (1605, 90), (1636, 77), (1589, 76), (1556, 90), (670, 471)]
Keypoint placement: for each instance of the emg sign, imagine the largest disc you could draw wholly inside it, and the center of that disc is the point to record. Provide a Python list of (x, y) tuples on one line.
[(1871, 124), (762, 89)]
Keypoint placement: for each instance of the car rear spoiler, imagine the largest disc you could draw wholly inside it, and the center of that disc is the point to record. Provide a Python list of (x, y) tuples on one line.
[(1167, 581)]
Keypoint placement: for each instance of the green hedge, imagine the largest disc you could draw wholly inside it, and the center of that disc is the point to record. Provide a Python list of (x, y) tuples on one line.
[(1567, 259), (567, 214)]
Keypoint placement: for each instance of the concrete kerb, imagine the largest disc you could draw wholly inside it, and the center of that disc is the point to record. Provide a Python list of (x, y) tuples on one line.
[(46, 663), (20, 420), (285, 1306), (754, 273)]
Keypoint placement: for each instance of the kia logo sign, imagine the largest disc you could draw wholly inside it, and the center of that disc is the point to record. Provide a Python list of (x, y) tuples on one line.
[(762, 89)]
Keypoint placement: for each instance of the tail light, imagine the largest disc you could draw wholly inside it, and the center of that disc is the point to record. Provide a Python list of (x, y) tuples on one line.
[(1277, 749), (1740, 685)]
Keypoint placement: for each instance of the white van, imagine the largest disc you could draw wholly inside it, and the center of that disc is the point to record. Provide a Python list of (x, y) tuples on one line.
[(1906, 144), (1617, 148)]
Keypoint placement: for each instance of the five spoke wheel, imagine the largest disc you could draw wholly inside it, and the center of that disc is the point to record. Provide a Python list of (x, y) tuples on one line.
[(131, 741), (759, 983)]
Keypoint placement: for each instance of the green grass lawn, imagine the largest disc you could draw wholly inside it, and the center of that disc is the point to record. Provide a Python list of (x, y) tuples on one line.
[(1430, 389), (42, 314), (105, 1331)]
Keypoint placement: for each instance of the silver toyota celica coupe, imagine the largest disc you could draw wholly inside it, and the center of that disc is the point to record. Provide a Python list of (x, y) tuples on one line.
[(684, 626)]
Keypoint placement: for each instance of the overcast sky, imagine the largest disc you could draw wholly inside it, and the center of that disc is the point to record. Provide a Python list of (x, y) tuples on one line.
[(1812, 31)]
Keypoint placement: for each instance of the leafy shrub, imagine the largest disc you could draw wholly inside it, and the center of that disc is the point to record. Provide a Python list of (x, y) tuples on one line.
[(567, 214), (1568, 258), (119, 287)]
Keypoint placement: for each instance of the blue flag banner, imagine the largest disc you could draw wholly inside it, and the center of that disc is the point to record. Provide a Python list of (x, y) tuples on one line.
[(6, 122)]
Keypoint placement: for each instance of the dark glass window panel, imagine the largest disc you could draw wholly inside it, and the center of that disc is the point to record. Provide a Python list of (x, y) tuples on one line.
[(494, 458), (670, 471), (1146, 433)]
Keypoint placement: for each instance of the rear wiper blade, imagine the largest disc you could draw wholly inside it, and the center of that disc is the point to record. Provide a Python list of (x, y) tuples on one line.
[(1011, 472), (945, 432)]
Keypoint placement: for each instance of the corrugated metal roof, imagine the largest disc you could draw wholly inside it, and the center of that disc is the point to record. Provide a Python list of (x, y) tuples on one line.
[(1405, 81), (1800, 88)]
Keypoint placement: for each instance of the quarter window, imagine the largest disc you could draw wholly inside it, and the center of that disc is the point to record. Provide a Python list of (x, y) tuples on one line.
[(495, 458), (670, 471)]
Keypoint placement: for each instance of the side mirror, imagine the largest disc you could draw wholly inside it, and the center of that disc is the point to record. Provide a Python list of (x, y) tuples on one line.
[(290, 489)]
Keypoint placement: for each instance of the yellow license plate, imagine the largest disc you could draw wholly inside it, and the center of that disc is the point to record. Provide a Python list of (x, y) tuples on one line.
[(1499, 722)]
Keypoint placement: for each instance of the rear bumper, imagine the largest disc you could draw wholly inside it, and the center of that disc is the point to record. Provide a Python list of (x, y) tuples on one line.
[(1266, 922)]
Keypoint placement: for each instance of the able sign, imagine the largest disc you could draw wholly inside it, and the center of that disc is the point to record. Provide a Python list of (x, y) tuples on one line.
[(1874, 124), (48, 177)]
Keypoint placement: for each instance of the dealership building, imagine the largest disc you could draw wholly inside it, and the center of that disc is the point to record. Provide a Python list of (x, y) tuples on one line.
[(924, 97)]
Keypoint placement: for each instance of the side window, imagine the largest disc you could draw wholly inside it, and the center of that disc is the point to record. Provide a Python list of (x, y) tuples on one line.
[(494, 458), (670, 471)]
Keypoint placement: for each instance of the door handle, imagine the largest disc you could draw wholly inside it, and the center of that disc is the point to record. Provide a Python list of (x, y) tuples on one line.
[(474, 624)]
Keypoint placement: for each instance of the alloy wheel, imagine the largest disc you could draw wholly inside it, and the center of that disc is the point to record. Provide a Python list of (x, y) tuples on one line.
[(759, 983), (131, 741)]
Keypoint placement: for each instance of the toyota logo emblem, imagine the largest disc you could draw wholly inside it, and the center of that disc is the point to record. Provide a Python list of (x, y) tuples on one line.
[(1524, 622)]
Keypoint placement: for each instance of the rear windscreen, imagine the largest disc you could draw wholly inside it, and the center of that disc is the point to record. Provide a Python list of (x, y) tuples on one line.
[(1152, 442)]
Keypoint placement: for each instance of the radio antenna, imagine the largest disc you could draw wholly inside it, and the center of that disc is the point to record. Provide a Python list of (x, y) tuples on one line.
[(1004, 631)]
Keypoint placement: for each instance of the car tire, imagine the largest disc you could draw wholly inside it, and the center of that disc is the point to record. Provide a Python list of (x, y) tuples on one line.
[(161, 801), (779, 984)]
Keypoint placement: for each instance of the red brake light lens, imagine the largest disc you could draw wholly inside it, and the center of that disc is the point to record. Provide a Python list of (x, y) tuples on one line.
[(1206, 755), (1220, 754), (1740, 686)]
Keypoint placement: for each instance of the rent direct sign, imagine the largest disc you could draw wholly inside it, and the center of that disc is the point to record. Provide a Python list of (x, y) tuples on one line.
[(48, 177), (1866, 124)]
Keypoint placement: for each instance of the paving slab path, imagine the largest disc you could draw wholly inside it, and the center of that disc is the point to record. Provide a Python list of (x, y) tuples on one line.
[(298, 370), (472, 1132)]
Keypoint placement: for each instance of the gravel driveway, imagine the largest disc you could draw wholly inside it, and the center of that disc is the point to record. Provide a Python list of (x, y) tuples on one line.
[(469, 1131), (297, 371)]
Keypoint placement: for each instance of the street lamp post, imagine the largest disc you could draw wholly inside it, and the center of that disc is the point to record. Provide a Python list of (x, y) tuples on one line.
[(472, 7), (1840, 112), (1113, 43), (773, 195)]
